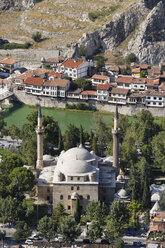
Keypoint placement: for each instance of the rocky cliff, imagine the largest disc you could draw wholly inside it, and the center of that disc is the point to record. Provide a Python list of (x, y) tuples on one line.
[(142, 25), (17, 4)]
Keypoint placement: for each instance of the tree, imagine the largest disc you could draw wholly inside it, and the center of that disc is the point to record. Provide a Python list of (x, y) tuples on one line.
[(83, 83), (77, 211), (119, 213), (143, 74), (158, 147), (94, 145), (96, 211), (28, 150), (51, 130), (81, 51), (131, 57), (58, 213), (119, 243), (135, 210), (37, 36), (21, 180), (2, 124), (81, 135), (100, 62), (14, 132), (133, 184), (2, 235), (60, 142), (162, 201), (71, 137), (22, 232), (95, 231), (69, 229), (7, 209), (113, 230), (47, 228)]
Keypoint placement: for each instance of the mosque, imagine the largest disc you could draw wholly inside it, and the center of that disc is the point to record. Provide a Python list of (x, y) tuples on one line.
[(78, 173)]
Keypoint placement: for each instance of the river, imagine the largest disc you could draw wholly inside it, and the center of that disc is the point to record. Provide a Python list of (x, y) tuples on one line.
[(17, 115)]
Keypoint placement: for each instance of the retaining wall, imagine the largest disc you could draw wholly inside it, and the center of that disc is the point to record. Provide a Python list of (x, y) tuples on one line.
[(60, 103)]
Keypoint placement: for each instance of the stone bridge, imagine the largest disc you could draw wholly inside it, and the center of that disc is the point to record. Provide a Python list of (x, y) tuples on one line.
[(5, 94)]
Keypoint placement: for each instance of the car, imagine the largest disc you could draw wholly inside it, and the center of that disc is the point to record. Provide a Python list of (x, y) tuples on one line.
[(137, 242), (29, 242), (105, 241), (86, 241)]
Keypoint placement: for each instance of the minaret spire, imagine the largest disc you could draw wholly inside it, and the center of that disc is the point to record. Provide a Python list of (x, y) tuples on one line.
[(116, 132), (39, 131)]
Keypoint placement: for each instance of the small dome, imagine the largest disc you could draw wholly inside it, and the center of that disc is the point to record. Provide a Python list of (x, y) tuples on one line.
[(155, 197), (119, 177), (75, 167), (42, 59), (74, 196), (48, 158), (123, 193)]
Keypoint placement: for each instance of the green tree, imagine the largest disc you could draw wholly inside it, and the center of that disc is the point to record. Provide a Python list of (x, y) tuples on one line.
[(28, 150), (158, 147), (60, 142), (94, 145), (8, 209), (14, 132), (22, 232), (119, 243), (2, 236), (81, 135), (162, 201), (71, 137), (97, 211), (133, 184), (119, 213), (51, 130), (135, 210), (58, 213), (77, 211), (69, 229), (131, 57), (143, 74), (2, 124), (37, 36), (83, 83), (47, 228), (21, 180), (113, 230), (81, 51), (95, 231), (100, 62)]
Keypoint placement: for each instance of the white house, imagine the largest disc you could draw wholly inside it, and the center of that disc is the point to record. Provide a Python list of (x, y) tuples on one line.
[(88, 95), (76, 68), (124, 82), (56, 88), (138, 84), (118, 96), (33, 85), (155, 99), (8, 65), (103, 92), (100, 79)]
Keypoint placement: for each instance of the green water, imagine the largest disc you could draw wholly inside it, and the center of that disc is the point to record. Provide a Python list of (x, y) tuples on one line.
[(17, 115)]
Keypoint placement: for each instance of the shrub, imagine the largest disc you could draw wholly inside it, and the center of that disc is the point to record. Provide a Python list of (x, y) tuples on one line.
[(102, 13), (131, 57), (37, 37), (11, 46)]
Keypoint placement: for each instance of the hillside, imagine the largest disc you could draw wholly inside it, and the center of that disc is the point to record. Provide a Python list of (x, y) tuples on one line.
[(117, 26)]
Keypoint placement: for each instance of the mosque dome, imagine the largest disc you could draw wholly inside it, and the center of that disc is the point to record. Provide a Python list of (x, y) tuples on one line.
[(74, 196), (48, 158), (77, 153), (75, 167), (123, 193), (155, 197), (119, 178)]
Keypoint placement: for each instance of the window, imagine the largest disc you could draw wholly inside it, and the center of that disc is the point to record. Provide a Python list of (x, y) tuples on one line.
[(78, 178), (72, 188), (81, 197), (48, 198), (148, 97), (154, 103), (160, 98), (78, 187), (61, 197), (68, 207), (69, 197), (160, 103), (81, 208), (71, 178), (48, 190), (154, 97), (88, 197)]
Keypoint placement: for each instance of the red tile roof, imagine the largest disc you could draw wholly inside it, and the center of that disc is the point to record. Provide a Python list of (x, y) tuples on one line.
[(34, 81), (150, 82), (143, 66), (103, 87), (136, 70), (56, 82), (9, 61), (101, 77), (139, 80), (155, 93), (156, 228), (5, 81), (88, 92), (25, 75), (119, 91), (71, 63), (55, 74), (124, 79), (113, 68)]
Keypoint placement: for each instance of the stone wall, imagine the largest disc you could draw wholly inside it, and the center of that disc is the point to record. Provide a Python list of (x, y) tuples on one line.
[(60, 103)]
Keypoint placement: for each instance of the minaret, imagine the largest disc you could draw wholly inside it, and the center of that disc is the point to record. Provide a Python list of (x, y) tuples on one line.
[(116, 132), (39, 131)]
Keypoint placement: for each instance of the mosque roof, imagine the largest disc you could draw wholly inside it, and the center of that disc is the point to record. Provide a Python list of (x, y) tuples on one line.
[(77, 153), (122, 193), (48, 158)]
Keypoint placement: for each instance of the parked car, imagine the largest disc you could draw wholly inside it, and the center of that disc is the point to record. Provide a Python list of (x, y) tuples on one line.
[(29, 242)]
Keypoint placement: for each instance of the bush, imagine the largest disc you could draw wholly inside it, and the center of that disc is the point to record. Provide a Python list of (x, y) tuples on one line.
[(37, 37), (81, 50), (79, 106), (11, 46), (131, 57), (102, 13)]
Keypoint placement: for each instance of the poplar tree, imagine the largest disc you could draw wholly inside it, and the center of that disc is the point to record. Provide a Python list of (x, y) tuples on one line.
[(60, 142)]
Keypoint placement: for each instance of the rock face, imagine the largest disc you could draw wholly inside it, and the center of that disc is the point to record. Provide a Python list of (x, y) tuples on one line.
[(142, 23), (17, 4)]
